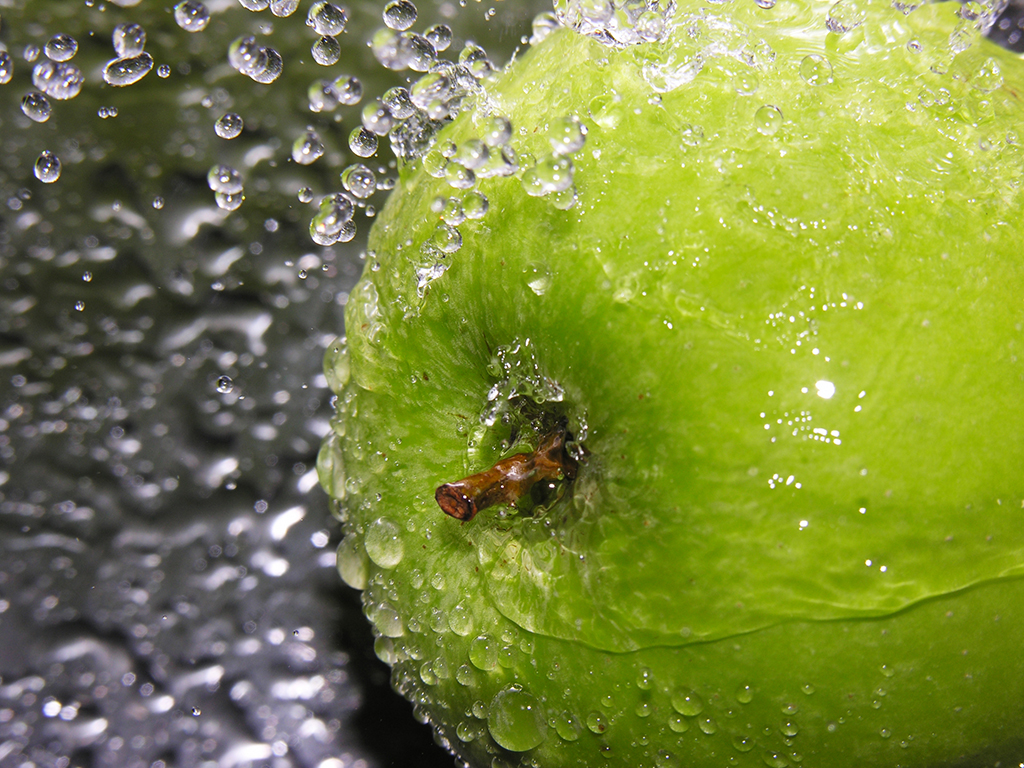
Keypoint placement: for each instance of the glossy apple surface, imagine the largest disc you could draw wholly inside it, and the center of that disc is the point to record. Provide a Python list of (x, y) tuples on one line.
[(780, 313)]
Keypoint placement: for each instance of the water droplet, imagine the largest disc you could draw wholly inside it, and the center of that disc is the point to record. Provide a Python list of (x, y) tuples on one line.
[(768, 120), (468, 731), (305, 195), (348, 89), (643, 709), (273, 66), (383, 543), (538, 278), (845, 16), (191, 15), (516, 721), (228, 202), (79, 306), (744, 694), (790, 709), (766, 4), (459, 176), (352, 563), (359, 180), (644, 679), (774, 759), (332, 221), (128, 40), (61, 47), (254, 5), (326, 51), (376, 118), (460, 619), (807, 688), (664, 759), (224, 179), (440, 36), (988, 77), (816, 69), (742, 743), (87, 277), (228, 126), (400, 14), (597, 722), (36, 106), (196, 712), (327, 19), (225, 384), (362, 142), (465, 675), (384, 647), (885, 733), (789, 728), (687, 703), (6, 67), (483, 653), (47, 167), (129, 70), (427, 673), (58, 80), (708, 726), (552, 174), (566, 726), (307, 148), (386, 619), (475, 205), (283, 8), (567, 135), (163, 71), (678, 723)]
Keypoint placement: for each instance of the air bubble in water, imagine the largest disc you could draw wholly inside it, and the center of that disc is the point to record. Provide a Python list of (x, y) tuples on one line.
[(768, 120), (305, 195), (348, 89), (163, 71), (36, 106), (362, 142), (228, 126), (58, 80), (271, 69), (224, 179), (129, 40), (359, 180), (30, 53), (440, 36), (400, 14), (61, 47), (307, 148), (398, 102), (225, 384), (191, 15), (47, 167), (228, 202), (550, 175), (244, 54), (475, 205), (333, 221), (376, 118), (326, 51), (815, 69), (126, 71), (283, 8), (516, 720), (326, 18), (322, 96), (567, 135), (6, 67)]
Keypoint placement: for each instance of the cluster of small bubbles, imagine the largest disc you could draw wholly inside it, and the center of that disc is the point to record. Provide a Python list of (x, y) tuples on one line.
[(58, 80), (333, 221), (307, 148), (260, 63), (616, 23), (440, 36), (362, 142), (228, 125), (61, 47), (359, 180), (47, 167), (768, 120), (224, 179), (845, 16), (326, 51), (36, 106), (816, 69), (191, 15), (6, 67), (327, 19), (105, 112), (399, 14)]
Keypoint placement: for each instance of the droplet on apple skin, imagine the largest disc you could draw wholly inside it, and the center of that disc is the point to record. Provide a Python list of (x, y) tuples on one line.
[(516, 720)]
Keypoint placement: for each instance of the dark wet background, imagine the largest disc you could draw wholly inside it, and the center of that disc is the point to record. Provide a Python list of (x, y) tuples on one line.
[(168, 595)]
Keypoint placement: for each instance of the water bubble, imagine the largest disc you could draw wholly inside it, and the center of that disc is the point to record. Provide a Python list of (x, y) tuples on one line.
[(254, 5), (815, 69), (105, 112), (744, 694), (742, 743), (988, 77), (330, 221), (362, 142), (789, 728), (475, 205), (224, 179), (497, 131), (768, 120), (244, 54), (376, 118), (126, 71), (516, 721), (445, 239), (61, 47), (386, 619), (225, 384), (597, 722), (566, 726), (460, 620), (191, 15), (228, 202), (129, 40), (359, 180), (31, 53), (400, 14), (305, 195), (348, 89), (327, 19), (538, 279), (440, 36), (158, 203), (163, 71), (845, 16), (678, 723), (273, 66), (326, 51), (6, 67), (47, 167), (483, 653), (283, 8), (58, 80), (644, 679), (465, 675), (307, 148), (567, 135), (383, 543), (551, 174), (398, 102), (36, 106), (774, 759), (228, 125), (687, 703), (427, 673)]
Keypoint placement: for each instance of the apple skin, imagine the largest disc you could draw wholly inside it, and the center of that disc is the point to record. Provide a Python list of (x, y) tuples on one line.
[(788, 342)]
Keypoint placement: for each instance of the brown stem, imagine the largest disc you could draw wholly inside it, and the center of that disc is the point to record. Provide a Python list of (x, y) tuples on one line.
[(508, 480)]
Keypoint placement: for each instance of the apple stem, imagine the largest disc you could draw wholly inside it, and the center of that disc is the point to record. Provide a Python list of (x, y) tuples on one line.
[(508, 480)]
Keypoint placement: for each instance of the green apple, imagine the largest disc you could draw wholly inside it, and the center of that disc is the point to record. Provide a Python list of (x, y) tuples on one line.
[(733, 365)]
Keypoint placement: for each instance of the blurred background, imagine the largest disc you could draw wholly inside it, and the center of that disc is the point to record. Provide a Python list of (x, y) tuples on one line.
[(168, 592)]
